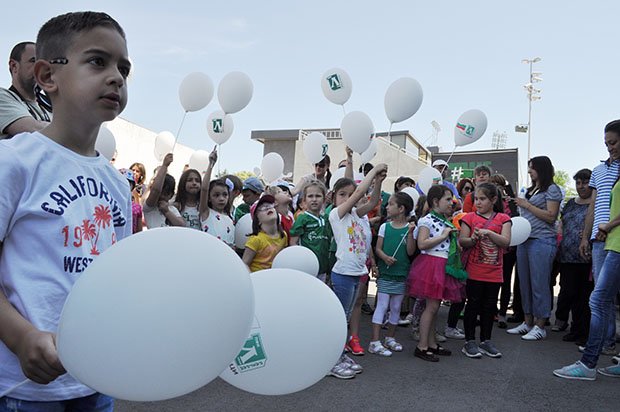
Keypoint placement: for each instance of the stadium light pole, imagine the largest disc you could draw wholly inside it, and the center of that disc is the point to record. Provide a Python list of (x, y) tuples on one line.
[(533, 94)]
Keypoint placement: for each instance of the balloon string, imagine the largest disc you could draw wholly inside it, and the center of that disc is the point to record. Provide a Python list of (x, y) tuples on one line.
[(219, 157), (5, 393), (344, 112), (399, 245), (176, 138), (389, 132), (450, 157)]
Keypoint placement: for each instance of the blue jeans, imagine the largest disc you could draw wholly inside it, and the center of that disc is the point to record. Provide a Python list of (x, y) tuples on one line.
[(345, 288), (598, 258), (535, 260), (93, 403), (601, 300)]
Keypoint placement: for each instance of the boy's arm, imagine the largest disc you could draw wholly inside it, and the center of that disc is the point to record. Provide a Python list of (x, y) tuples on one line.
[(36, 350), (206, 181), (158, 182)]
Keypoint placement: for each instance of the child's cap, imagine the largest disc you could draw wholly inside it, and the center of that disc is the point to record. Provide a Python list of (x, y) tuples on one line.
[(253, 184), (128, 174), (264, 199)]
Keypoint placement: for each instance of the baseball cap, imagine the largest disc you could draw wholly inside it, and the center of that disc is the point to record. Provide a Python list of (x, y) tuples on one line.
[(253, 184), (440, 162), (264, 199)]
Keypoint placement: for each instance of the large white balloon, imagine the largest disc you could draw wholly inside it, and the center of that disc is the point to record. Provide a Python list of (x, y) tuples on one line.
[(243, 229), (470, 127), (272, 167), (520, 231), (413, 194), (371, 152), (199, 160), (164, 142), (269, 363), (106, 143), (195, 91), (315, 147), (220, 126), (299, 258), (336, 85), (235, 92), (428, 176), (403, 99), (357, 131), (128, 331)]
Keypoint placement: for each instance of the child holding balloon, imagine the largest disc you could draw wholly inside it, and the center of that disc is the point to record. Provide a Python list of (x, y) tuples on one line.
[(395, 244), (267, 239), (352, 244), (310, 229), (214, 206), (435, 274), (62, 199), (486, 233)]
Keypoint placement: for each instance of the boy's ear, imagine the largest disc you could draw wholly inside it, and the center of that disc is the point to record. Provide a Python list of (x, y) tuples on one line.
[(43, 75)]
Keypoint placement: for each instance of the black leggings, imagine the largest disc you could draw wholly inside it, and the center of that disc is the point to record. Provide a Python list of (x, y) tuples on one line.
[(575, 288), (453, 315), (481, 301), (510, 259)]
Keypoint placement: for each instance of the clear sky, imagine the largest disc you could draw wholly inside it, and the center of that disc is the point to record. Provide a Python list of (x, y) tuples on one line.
[(465, 54)]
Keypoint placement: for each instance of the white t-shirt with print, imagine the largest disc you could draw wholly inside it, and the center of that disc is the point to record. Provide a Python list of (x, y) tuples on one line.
[(435, 228), (58, 211), (352, 234), (154, 218), (220, 225), (192, 217)]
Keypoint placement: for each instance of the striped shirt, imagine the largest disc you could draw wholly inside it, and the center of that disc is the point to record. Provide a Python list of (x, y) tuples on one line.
[(603, 178), (540, 228)]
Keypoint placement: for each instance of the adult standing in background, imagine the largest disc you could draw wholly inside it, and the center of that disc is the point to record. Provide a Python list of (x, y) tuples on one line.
[(19, 110)]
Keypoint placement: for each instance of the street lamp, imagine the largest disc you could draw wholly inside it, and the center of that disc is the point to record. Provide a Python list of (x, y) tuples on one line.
[(533, 94)]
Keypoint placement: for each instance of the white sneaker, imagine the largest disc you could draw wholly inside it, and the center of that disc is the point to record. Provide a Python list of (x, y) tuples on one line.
[(453, 333), (406, 321), (536, 333), (415, 334), (522, 329), (378, 349), (439, 338)]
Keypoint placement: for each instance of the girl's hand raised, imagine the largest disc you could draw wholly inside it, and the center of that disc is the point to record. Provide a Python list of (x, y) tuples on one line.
[(213, 157), (167, 160)]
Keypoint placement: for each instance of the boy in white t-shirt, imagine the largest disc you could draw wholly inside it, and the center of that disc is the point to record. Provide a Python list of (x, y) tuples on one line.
[(62, 205)]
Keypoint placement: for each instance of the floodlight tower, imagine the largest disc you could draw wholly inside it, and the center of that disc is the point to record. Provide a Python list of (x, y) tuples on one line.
[(533, 94)]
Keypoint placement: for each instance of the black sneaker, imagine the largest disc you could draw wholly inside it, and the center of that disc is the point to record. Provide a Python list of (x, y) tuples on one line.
[(367, 309)]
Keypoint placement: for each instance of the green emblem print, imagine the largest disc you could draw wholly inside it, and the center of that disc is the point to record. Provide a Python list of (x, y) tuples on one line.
[(252, 355), (470, 130), (324, 147), (334, 82), (218, 125)]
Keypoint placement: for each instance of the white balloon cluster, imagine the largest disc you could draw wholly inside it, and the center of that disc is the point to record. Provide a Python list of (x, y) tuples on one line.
[(132, 314)]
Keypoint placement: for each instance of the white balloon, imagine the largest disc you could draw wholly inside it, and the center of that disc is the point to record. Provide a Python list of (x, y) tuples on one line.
[(243, 229), (106, 143), (199, 160), (428, 176), (220, 126), (235, 92), (336, 85), (269, 364), (164, 142), (256, 171), (413, 194), (272, 167), (315, 147), (403, 99), (357, 131), (371, 152), (470, 127), (520, 231), (195, 91), (299, 258), (128, 331)]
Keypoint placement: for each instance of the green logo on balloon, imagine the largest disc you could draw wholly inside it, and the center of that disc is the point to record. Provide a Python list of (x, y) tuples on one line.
[(324, 147), (218, 125), (252, 355), (334, 82), (470, 130)]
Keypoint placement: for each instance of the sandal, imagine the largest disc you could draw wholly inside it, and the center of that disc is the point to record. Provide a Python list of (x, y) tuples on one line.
[(426, 355), (392, 345), (440, 350)]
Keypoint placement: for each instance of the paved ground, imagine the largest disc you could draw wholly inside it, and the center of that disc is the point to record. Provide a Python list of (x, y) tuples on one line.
[(521, 380)]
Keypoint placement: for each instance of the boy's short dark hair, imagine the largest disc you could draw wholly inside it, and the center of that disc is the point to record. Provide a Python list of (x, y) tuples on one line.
[(168, 186), (583, 174), (56, 36), (481, 169)]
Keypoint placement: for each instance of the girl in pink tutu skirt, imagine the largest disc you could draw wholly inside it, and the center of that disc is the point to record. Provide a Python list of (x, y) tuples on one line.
[(437, 272)]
